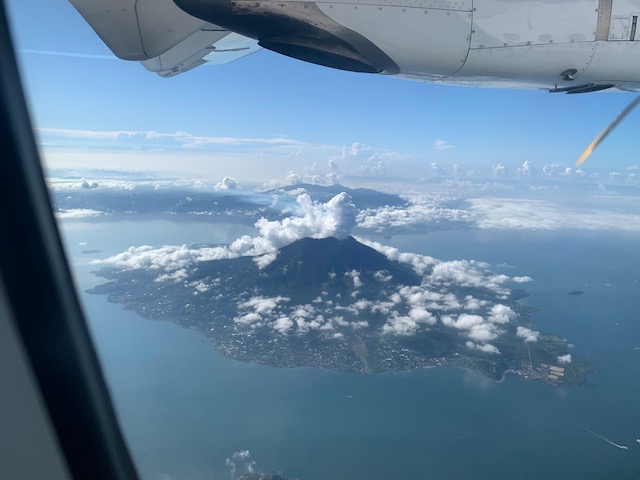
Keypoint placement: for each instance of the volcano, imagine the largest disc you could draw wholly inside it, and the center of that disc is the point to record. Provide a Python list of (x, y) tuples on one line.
[(312, 263)]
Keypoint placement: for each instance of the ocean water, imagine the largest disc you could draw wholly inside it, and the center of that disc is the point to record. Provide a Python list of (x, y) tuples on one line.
[(185, 409)]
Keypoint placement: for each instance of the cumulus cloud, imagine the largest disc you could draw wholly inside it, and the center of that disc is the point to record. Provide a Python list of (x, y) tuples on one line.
[(501, 314), (473, 303), (242, 457), (363, 159), (400, 325), (526, 169), (227, 183), (476, 327), (335, 218), (283, 324), (483, 332), (88, 184), (355, 276), (527, 334), (486, 347), (467, 273), (564, 359), (260, 308), (463, 322), (356, 148), (553, 169), (372, 168), (499, 170), (524, 279)]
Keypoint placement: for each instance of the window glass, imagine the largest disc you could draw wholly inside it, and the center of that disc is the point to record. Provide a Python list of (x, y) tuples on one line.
[(296, 271)]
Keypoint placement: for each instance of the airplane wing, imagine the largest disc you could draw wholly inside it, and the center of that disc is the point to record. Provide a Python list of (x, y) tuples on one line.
[(213, 46), (162, 37)]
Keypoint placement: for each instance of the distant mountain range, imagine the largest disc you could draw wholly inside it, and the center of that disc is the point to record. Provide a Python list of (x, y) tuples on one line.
[(147, 201), (362, 197), (162, 202)]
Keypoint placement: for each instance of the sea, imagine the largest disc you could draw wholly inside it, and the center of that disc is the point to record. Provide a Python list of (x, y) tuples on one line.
[(185, 410)]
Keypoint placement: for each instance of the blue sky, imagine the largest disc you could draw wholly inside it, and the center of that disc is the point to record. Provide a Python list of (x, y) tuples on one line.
[(265, 115)]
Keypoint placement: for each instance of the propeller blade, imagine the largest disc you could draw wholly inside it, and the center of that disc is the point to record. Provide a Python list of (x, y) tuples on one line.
[(607, 131)]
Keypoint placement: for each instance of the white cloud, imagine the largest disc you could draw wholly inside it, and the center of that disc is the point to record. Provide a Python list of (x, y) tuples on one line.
[(527, 334), (185, 139), (243, 456), (262, 304), (420, 263), (501, 314), (283, 324), (463, 322), (248, 318), (437, 170), (483, 332), (167, 258), (474, 303), (420, 314), (79, 213), (401, 325), (57, 53), (526, 169), (144, 184), (499, 170), (564, 359), (227, 183), (468, 273), (442, 145), (422, 209), (88, 184), (486, 348), (523, 279), (553, 169), (335, 218), (529, 214), (354, 150), (355, 276)]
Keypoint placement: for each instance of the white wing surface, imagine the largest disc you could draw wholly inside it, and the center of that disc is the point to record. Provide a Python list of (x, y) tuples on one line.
[(165, 39)]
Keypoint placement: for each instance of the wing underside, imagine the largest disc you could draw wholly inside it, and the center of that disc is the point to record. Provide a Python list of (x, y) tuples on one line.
[(162, 37)]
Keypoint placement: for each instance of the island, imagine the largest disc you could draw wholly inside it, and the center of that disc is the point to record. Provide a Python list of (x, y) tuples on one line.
[(342, 305)]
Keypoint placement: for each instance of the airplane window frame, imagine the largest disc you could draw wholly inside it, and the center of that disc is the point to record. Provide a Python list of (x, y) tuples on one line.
[(42, 301)]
